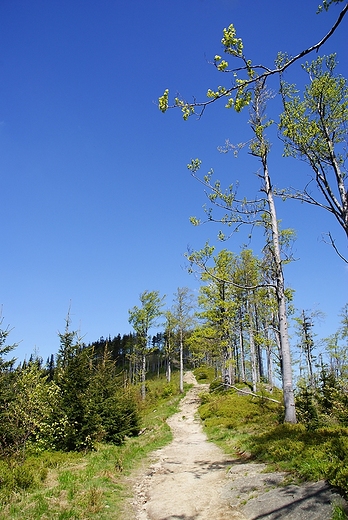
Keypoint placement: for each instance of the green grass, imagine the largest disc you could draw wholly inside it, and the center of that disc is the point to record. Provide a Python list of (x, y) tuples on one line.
[(315, 455), (338, 513), (77, 486), (252, 427)]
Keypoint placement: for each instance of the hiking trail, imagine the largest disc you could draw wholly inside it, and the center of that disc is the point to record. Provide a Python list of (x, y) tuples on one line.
[(192, 479)]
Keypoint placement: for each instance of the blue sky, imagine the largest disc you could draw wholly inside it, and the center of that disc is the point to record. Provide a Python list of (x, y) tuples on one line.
[(95, 193)]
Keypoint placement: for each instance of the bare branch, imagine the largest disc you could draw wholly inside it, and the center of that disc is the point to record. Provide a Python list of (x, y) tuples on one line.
[(333, 244)]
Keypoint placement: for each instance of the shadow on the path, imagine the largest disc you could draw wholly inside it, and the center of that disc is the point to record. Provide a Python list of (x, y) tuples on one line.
[(309, 503), (180, 517), (206, 466)]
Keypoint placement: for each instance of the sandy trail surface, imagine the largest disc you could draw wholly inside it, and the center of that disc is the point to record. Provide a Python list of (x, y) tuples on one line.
[(192, 479)]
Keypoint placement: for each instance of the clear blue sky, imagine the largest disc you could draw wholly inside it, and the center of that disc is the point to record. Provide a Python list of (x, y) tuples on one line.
[(95, 194)]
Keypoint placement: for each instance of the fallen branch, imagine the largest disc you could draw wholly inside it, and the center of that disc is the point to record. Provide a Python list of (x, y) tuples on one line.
[(248, 392)]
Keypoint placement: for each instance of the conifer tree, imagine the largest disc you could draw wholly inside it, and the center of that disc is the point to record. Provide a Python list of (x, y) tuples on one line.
[(73, 376)]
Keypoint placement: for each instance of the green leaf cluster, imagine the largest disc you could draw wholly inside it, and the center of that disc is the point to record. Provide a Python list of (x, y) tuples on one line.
[(163, 101), (310, 124), (232, 44)]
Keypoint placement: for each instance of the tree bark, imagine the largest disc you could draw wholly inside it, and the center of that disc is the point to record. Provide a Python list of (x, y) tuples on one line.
[(288, 391), (143, 376), (181, 362)]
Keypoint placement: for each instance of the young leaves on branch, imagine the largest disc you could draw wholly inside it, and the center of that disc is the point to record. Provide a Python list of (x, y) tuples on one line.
[(239, 94), (314, 129), (235, 212)]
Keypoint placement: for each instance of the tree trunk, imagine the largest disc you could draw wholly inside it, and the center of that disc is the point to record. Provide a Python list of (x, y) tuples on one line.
[(252, 349), (169, 370), (231, 364), (288, 391), (242, 353), (226, 371), (181, 362), (143, 377), (261, 371)]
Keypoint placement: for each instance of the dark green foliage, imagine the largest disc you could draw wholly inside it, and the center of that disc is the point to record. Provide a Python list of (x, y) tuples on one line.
[(119, 347), (16, 475), (325, 404), (50, 367), (74, 378), (201, 374), (7, 396), (217, 386), (5, 363), (204, 374), (94, 405), (119, 417), (7, 393), (66, 406), (114, 406), (306, 409)]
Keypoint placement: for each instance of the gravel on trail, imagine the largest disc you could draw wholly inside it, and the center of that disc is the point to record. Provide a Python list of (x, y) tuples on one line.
[(192, 479)]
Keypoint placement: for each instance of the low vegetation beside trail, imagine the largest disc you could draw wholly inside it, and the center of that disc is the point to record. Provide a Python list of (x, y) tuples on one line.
[(248, 426), (83, 485)]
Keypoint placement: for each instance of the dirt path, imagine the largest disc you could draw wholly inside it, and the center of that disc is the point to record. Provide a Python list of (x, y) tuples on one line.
[(192, 479)]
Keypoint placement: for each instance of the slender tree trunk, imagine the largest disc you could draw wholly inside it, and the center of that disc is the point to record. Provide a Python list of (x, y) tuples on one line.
[(252, 349), (169, 370), (242, 353), (226, 373), (288, 391), (143, 377), (231, 367), (181, 362), (269, 363), (269, 368), (261, 371)]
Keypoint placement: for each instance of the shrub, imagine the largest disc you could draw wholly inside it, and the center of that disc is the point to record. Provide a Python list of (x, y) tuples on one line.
[(204, 374)]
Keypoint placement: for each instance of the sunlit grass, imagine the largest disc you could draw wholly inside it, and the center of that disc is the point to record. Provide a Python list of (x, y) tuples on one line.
[(86, 486), (251, 426)]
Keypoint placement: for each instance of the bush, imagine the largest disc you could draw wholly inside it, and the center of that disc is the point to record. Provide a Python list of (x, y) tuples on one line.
[(204, 374), (217, 386), (21, 475)]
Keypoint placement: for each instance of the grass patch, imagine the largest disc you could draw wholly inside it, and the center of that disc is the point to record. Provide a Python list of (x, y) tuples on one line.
[(77, 486), (320, 454), (243, 424)]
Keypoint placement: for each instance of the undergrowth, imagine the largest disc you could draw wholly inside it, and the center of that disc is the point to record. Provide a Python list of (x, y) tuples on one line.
[(70, 485), (204, 374), (252, 427)]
